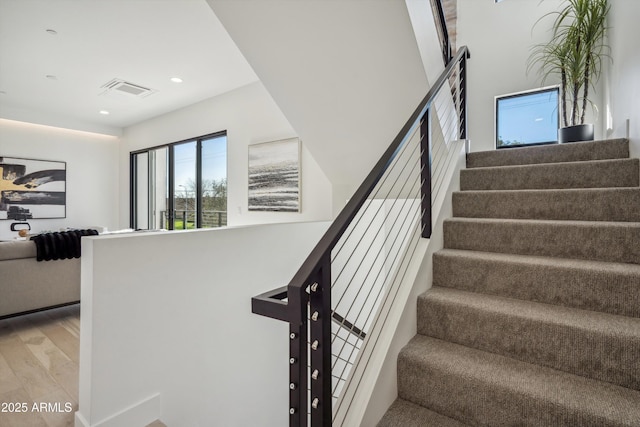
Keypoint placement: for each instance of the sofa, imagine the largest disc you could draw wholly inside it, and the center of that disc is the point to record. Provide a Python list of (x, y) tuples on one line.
[(27, 284)]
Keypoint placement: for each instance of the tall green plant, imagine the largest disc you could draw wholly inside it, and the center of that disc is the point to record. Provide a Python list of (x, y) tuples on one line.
[(574, 54)]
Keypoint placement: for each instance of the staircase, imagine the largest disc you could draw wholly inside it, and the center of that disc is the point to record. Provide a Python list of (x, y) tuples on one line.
[(534, 314)]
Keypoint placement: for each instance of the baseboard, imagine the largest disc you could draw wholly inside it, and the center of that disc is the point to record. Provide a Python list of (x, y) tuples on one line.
[(140, 414), (36, 310), (80, 421)]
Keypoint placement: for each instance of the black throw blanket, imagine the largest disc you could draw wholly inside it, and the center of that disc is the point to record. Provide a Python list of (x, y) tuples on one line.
[(62, 245)]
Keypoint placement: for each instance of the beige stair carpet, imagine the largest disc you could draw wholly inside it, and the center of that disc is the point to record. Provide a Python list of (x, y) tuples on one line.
[(534, 314)]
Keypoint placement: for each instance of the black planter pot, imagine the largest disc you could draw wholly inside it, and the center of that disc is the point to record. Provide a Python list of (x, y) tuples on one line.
[(576, 133)]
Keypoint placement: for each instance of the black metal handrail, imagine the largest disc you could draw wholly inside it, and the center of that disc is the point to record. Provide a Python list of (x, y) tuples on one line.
[(443, 30), (347, 214), (308, 294)]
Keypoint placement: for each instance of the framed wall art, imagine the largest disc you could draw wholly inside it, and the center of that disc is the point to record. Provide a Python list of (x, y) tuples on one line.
[(274, 176), (32, 189)]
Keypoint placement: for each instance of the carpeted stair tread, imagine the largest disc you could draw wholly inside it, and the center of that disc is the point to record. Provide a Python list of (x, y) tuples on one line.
[(403, 413), (593, 240), (589, 285), (584, 204), (586, 174), (573, 152), (533, 318), (595, 345), (481, 388)]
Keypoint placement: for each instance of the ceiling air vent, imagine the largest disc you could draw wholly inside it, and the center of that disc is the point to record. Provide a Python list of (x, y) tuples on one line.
[(131, 89)]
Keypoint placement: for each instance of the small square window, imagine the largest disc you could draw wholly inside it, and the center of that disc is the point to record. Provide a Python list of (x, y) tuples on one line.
[(527, 118)]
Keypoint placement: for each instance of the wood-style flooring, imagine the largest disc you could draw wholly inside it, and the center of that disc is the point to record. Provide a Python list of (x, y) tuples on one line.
[(39, 356), (39, 359), (39, 365)]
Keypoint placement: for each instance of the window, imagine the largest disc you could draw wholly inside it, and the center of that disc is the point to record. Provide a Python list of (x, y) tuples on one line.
[(527, 118), (181, 185)]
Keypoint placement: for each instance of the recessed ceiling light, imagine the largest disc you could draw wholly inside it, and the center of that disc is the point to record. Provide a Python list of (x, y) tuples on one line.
[(176, 79), (51, 77), (104, 112), (52, 32)]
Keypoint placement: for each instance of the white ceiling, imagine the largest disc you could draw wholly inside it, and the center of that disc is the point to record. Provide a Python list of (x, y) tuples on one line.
[(145, 42)]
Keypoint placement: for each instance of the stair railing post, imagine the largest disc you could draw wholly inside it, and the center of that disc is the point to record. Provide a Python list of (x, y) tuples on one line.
[(320, 348), (425, 174), (298, 353), (307, 308), (462, 83)]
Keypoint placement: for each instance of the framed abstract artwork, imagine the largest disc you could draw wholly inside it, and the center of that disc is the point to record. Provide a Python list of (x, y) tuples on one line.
[(274, 176), (32, 189)]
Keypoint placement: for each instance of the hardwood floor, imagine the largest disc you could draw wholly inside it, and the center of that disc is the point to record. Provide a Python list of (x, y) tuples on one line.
[(39, 357), (39, 368)]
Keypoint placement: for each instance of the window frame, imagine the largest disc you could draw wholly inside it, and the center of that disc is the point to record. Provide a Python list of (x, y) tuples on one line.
[(554, 88), (133, 177)]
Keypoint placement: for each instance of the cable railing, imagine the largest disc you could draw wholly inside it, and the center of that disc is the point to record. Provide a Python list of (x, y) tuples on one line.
[(334, 302)]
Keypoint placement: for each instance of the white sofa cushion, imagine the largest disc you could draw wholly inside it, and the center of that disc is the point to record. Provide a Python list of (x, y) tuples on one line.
[(17, 249)]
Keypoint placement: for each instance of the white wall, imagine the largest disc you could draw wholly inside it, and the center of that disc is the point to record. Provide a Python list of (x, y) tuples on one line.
[(174, 327), (92, 171), (249, 116), (347, 74), (424, 28), (499, 37), (622, 80)]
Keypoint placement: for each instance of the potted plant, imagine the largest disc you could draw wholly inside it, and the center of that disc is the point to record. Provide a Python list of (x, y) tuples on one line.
[(574, 55)]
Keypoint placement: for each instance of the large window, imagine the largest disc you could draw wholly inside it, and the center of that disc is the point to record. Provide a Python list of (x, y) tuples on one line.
[(181, 185), (527, 118)]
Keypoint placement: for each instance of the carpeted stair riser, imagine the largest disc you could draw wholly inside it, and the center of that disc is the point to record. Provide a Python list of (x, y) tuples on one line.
[(599, 241), (594, 345), (534, 314), (403, 413), (589, 285), (592, 174), (610, 204), (574, 152), (484, 389)]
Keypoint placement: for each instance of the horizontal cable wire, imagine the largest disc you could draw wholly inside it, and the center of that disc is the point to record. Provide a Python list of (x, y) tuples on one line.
[(407, 255), (416, 217), (367, 207), (393, 251), (346, 237), (393, 226), (386, 241), (381, 288), (415, 239), (387, 173), (440, 172), (367, 300), (348, 260), (362, 260), (382, 265)]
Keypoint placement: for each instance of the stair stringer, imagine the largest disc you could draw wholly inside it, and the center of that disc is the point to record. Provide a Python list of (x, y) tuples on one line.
[(373, 382)]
